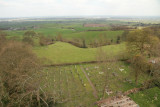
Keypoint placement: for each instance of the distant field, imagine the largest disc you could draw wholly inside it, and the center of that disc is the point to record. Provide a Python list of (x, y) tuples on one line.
[(69, 29), (66, 53), (70, 34)]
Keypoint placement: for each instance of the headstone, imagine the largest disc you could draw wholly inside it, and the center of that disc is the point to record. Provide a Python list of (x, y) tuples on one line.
[(121, 69), (101, 72)]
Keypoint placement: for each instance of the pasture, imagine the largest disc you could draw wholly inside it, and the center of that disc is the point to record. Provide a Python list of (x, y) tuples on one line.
[(66, 53)]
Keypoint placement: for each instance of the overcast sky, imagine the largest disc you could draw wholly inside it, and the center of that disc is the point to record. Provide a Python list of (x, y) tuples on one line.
[(29, 8)]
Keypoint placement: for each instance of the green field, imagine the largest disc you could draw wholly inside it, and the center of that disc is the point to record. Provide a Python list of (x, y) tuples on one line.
[(89, 36), (69, 29), (66, 53)]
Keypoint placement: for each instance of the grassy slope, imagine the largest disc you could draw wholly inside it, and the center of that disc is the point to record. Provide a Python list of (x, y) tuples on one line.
[(66, 53)]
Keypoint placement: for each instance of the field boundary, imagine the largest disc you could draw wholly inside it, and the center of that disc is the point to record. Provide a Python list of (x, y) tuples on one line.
[(86, 62)]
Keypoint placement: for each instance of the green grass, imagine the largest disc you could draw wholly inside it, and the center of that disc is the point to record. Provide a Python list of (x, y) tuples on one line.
[(66, 53), (147, 98)]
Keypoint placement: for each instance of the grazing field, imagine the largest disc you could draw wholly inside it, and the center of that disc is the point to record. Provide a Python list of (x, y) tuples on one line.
[(66, 53)]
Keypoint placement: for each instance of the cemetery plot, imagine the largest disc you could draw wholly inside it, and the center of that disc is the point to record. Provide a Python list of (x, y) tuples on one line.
[(69, 88), (83, 85), (110, 78)]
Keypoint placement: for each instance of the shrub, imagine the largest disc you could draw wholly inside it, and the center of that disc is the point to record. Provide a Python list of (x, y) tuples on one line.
[(28, 40), (45, 41)]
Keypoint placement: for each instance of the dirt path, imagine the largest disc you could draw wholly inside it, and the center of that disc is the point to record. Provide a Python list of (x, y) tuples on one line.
[(94, 89)]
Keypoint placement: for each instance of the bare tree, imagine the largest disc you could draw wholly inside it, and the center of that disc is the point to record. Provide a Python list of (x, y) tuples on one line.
[(20, 77)]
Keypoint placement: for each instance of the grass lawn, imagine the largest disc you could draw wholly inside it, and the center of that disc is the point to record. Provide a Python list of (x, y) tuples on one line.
[(66, 53)]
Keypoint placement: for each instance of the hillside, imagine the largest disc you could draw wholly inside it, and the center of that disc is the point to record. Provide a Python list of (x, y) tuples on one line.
[(66, 53)]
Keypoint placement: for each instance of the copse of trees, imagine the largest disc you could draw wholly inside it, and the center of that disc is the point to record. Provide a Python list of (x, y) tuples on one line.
[(30, 33), (141, 42), (28, 37)]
